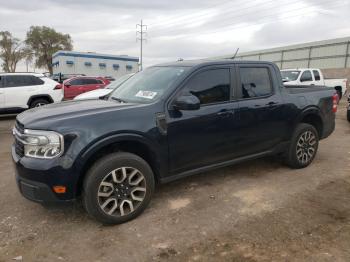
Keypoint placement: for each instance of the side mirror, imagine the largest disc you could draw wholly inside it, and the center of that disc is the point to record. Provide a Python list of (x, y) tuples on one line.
[(67, 85), (187, 102)]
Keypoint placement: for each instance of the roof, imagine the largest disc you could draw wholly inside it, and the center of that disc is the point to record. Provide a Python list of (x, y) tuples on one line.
[(205, 62), (23, 73), (95, 56), (342, 40)]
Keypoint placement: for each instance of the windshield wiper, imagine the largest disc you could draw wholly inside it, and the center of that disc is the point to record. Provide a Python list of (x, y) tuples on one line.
[(118, 99)]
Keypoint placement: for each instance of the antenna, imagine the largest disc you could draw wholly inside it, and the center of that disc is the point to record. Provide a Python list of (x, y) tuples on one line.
[(235, 54)]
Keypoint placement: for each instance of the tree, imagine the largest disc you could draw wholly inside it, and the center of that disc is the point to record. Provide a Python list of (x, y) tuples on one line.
[(45, 41), (11, 51)]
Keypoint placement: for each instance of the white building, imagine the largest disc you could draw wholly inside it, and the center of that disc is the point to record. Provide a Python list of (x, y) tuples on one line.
[(93, 64)]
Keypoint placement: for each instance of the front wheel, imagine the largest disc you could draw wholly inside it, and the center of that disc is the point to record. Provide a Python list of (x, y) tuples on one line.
[(303, 146), (118, 188), (348, 114)]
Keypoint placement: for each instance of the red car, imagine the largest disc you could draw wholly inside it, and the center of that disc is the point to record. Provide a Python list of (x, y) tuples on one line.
[(81, 84)]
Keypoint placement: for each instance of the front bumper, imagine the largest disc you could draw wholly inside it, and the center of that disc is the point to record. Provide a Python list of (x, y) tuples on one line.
[(35, 191), (36, 178)]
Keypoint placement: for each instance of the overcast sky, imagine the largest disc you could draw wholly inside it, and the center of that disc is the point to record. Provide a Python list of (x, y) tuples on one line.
[(180, 28)]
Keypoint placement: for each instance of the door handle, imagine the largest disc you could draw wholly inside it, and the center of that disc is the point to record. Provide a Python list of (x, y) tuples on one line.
[(225, 112), (272, 104)]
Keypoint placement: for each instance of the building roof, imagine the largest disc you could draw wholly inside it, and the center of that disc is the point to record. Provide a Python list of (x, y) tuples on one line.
[(342, 40), (95, 55)]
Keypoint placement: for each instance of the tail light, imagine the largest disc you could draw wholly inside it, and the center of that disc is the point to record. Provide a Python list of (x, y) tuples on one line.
[(335, 99), (59, 86)]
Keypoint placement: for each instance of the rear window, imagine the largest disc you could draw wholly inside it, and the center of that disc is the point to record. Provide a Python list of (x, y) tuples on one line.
[(255, 82), (316, 75)]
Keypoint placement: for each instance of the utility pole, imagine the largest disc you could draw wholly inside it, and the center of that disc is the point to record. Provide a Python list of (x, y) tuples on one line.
[(140, 36)]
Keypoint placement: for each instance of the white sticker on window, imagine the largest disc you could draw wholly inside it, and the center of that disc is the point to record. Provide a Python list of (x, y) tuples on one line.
[(146, 94)]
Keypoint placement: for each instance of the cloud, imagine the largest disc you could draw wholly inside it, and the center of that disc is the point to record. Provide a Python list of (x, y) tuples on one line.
[(182, 28)]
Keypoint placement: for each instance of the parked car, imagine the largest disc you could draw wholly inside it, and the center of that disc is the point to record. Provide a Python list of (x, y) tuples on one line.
[(166, 122), (81, 84), (103, 92), (313, 76), (19, 91)]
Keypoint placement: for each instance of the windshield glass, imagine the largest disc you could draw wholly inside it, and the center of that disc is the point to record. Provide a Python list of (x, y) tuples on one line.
[(148, 85), (119, 81), (290, 75)]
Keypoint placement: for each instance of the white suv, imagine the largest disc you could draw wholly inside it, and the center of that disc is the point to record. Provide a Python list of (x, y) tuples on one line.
[(26, 90)]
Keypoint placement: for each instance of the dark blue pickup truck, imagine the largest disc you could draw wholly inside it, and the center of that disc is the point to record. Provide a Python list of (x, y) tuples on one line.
[(167, 122)]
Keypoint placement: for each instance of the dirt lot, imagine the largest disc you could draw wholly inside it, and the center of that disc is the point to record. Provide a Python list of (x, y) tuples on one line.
[(256, 211)]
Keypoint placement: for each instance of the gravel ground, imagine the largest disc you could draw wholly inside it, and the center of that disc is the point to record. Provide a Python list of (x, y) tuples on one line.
[(255, 211)]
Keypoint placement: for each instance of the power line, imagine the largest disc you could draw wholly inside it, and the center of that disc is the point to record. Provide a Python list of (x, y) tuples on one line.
[(271, 15), (140, 37), (196, 18)]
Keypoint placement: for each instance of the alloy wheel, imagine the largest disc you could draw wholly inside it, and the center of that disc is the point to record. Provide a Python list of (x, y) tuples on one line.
[(121, 191), (306, 147)]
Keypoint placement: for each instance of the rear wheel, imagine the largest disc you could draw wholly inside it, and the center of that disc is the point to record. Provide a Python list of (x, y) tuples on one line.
[(38, 102), (303, 146), (118, 188)]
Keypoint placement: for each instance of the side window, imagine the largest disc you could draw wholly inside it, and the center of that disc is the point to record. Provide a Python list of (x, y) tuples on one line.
[(1, 81), (212, 86), (16, 80), (36, 80), (90, 81), (255, 82), (306, 76), (316, 75), (76, 82)]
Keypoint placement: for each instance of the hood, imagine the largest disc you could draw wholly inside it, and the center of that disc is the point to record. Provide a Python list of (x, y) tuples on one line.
[(51, 115), (94, 94)]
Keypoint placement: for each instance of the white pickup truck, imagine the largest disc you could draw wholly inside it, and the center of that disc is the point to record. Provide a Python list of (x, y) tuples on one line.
[(313, 76)]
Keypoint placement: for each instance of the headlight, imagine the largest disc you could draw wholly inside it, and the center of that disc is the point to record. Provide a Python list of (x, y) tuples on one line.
[(41, 144)]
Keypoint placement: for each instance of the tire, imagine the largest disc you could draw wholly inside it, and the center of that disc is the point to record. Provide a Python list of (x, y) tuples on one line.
[(348, 114), (110, 186), (300, 154), (38, 102)]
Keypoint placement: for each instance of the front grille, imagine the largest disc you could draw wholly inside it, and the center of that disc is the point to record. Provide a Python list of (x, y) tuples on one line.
[(19, 147)]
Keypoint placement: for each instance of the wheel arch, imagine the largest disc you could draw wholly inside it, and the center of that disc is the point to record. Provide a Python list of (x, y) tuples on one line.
[(313, 117), (131, 143), (34, 97)]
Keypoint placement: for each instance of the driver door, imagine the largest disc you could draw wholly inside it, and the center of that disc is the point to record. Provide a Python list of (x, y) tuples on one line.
[(205, 136)]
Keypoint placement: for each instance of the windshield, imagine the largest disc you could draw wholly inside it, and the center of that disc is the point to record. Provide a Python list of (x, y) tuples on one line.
[(290, 75), (119, 81), (148, 85)]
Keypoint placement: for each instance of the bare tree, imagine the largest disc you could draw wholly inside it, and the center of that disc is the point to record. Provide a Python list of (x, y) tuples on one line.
[(11, 51)]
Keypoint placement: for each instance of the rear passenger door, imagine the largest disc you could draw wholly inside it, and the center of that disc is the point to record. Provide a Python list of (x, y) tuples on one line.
[(317, 77), (92, 84), (261, 119)]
